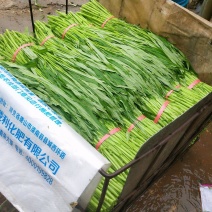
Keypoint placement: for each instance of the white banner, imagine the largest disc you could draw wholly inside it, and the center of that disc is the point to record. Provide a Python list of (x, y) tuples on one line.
[(45, 165)]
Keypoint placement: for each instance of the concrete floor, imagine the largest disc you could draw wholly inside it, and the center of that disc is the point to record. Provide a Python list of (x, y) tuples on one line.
[(17, 17), (178, 189)]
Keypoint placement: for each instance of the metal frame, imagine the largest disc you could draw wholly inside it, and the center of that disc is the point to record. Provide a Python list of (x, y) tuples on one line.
[(31, 15), (161, 151)]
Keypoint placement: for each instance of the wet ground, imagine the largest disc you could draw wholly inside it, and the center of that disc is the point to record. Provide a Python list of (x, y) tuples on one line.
[(18, 19), (178, 189)]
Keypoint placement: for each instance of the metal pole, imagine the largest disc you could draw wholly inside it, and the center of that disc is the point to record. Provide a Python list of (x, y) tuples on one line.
[(104, 190), (31, 14), (66, 6)]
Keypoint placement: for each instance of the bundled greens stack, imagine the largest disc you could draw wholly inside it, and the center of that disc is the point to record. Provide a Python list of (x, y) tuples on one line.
[(105, 77), (96, 14), (160, 74), (95, 40), (115, 146), (80, 89), (139, 38), (115, 149)]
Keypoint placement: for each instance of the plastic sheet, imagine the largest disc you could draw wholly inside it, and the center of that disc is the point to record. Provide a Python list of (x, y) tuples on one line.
[(45, 165), (206, 197)]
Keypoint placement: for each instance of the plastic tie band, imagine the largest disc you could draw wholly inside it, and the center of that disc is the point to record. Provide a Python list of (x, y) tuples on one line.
[(19, 49), (46, 39), (166, 103), (105, 137), (194, 83), (105, 22), (171, 91), (132, 126), (66, 30)]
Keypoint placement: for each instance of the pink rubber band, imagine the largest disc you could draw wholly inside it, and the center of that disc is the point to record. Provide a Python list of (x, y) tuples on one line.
[(19, 49), (194, 83), (132, 126), (140, 118), (46, 39), (114, 131), (171, 91), (105, 22), (66, 30), (105, 137), (161, 111)]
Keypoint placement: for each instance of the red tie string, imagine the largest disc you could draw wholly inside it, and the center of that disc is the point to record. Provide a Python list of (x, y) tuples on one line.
[(46, 39), (171, 91), (132, 126), (194, 83), (19, 49), (105, 22), (105, 137), (66, 30), (166, 103)]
